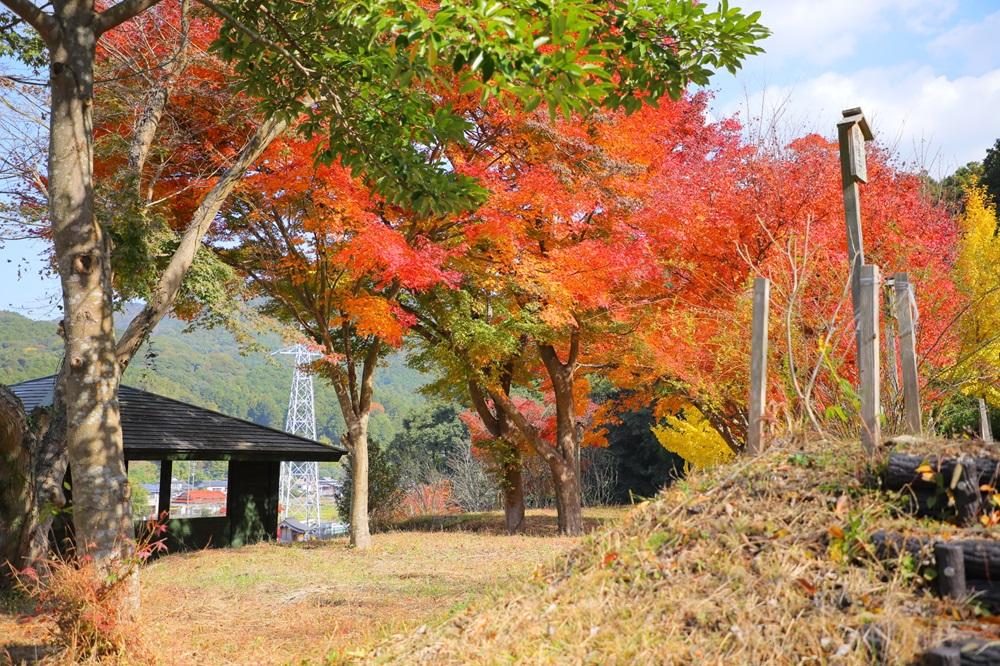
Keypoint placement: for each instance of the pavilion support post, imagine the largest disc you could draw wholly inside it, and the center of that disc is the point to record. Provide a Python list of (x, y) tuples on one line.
[(908, 352), (868, 359), (758, 365), (166, 475)]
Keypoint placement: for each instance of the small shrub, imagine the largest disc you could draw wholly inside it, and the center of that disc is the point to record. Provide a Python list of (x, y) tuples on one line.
[(89, 604), (429, 499)]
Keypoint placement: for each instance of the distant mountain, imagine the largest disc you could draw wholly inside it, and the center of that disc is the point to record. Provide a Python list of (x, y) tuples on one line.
[(207, 367)]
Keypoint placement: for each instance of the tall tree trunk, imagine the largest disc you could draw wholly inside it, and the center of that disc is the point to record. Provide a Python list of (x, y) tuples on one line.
[(361, 536), (565, 464), (93, 433), (560, 456), (568, 493), (355, 400)]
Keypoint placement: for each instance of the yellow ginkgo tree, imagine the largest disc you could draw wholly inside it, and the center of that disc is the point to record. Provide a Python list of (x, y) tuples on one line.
[(688, 433), (977, 273)]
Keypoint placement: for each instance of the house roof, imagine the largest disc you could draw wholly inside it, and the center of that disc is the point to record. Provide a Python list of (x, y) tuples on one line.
[(160, 428), (296, 526), (200, 497)]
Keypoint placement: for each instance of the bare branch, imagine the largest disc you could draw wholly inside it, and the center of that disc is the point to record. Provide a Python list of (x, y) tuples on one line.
[(170, 281)]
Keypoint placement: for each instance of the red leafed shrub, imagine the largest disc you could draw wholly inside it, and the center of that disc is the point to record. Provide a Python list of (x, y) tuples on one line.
[(428, 499), (90, 604)]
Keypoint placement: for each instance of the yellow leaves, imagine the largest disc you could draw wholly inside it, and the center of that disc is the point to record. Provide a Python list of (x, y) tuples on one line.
[(926, 472), (689, 435), (977, 276)]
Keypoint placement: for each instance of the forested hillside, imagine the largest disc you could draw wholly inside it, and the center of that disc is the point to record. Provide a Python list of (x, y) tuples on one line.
[(207, 367)]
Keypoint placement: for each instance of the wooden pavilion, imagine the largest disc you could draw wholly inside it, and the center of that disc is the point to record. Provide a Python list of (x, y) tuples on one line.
[(162, 429)]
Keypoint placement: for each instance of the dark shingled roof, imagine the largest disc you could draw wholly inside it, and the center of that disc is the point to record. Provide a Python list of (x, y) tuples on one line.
[(159, 428)]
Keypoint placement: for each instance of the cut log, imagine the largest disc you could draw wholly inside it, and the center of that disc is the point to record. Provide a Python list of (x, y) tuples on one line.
[(943, 656), (891, 545), (968, 497), (984, 592), (982, 558), (901, 471), (976, 652)]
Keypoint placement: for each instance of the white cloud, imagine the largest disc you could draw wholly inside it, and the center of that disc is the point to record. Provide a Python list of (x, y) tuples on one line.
[(824, 32), (938, 122), (975, 42)]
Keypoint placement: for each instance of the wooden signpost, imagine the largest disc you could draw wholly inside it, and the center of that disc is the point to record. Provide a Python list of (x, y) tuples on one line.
[(852, 132), (866, 281), (758, 364), (903, 292)]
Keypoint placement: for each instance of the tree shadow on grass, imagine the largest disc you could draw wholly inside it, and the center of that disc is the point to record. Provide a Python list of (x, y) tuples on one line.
[(535, 524)]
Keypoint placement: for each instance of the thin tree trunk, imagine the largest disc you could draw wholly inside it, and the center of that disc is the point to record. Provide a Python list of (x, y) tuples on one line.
[(512, 479), (50, 464), (170, 282)]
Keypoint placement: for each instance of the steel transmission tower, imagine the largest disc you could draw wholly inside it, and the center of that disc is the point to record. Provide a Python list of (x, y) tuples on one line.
[(299, 487)]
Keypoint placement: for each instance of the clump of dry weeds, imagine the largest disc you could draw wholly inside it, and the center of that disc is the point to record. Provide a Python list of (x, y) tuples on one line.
[(766, 561)]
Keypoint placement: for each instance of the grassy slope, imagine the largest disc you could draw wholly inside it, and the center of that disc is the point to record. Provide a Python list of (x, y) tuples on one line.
[(761, 562)]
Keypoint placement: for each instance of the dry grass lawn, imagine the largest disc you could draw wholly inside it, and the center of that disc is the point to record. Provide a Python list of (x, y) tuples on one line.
[(309, 603)]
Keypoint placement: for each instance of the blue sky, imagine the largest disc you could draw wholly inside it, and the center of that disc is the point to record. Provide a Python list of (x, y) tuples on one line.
[(926, 73)]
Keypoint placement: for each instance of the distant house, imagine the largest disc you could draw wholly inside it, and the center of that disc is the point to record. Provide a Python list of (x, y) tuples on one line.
[(160, 428), (291, 530), (198, 502), (328, 487), (219, 485), (153, 501)]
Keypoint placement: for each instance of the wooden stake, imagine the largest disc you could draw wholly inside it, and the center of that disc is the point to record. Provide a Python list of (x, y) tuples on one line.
[(758, 364), (950, 562), (908, 352), (892, 357), (868, 359), (984, 422)]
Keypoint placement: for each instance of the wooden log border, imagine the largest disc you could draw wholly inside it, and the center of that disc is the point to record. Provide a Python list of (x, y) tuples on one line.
[(963, 652), (970, 482), (966, 568)]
